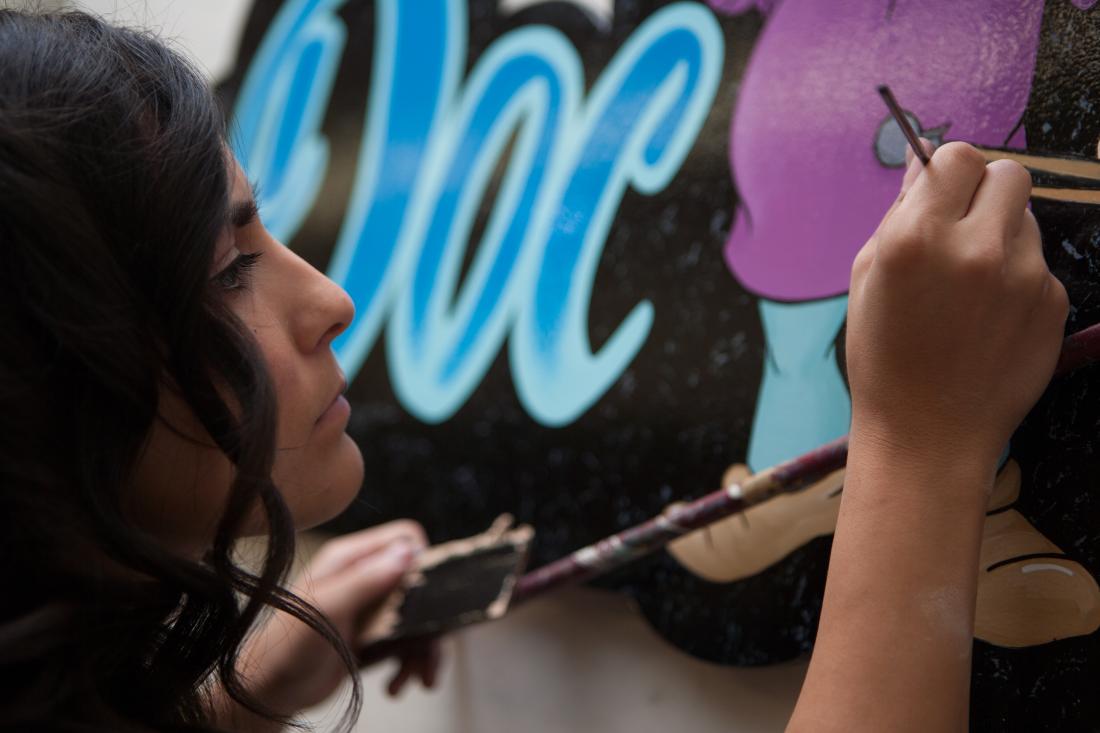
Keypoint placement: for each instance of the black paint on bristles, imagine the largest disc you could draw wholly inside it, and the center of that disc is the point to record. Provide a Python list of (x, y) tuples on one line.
[(457, 584), (461, 590)]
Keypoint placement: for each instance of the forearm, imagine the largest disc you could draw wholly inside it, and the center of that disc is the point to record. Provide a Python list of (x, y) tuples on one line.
[(229, 715), (893, 647)]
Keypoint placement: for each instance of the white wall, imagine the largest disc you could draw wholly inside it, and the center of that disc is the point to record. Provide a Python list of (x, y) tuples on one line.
[(208, 30), (583, 661)]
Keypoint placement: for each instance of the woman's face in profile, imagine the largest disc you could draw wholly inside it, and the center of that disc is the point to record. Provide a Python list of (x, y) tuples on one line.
[(294, 313)]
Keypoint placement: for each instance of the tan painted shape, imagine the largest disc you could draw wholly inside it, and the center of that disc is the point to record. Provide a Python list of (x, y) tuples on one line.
[(1072, 195), (1030, 601), (743, 545), (1087, 169), (1024, 603)]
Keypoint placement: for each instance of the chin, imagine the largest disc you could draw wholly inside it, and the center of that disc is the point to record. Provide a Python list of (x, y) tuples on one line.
[(329, 484)]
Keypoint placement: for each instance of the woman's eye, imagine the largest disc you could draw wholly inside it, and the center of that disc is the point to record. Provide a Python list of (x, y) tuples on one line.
[(237, 276)]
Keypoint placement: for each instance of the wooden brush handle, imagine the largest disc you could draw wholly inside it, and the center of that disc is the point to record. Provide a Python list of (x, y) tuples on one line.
[(619, 549)]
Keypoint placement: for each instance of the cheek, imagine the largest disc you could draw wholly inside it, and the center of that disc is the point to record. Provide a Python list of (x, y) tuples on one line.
[(318, 469), (180, 486)]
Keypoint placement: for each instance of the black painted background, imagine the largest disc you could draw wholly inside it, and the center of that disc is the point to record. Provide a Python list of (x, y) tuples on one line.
[(669, 427)]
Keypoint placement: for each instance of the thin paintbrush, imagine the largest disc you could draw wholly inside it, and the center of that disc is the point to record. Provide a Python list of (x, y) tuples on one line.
[(903, 123), (1062, 177)]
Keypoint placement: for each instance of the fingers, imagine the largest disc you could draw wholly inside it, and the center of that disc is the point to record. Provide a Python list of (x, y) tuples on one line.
[(913, 167), (1058, 300), (428, 664), (947, 186), (1002, 196), (341, 552), (955, 185), (397, 682), (1030, 270), (362, 585), (422, 660), (1025, 249)]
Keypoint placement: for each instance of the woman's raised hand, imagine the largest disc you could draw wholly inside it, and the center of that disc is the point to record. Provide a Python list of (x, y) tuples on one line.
[(954, 328), (289, 667), (954, 320)]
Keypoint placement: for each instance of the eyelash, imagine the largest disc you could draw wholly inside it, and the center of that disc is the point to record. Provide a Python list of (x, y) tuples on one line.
[(246, 215), (238, 275)]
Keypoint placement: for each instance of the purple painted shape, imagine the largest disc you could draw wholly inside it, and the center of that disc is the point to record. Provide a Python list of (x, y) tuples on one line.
[(803, 132)]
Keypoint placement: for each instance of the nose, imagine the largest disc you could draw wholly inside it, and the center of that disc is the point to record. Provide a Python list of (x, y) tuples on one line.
[(322, 310)]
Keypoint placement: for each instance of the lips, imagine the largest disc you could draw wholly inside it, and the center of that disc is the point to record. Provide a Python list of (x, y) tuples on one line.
[(343, 387)]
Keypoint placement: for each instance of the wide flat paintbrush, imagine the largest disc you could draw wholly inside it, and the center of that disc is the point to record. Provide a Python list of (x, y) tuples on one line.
[(454, 584)]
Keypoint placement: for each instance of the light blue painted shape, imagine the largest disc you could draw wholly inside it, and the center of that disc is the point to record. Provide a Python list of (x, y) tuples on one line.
[(638, 124), (430, 146), (803, 401), (276, 134)]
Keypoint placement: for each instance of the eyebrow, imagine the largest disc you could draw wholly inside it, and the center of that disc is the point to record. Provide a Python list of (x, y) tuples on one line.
[(243, 212)]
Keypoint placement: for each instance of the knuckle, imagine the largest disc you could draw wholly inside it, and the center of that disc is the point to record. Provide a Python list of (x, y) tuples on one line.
[(980, 261), (1059, 297), (1009, 172), (1030, 233), (960, 155), (899, 253), (1038, 275), (411, 529), (1033, 284), (862, 260), (907, 241)]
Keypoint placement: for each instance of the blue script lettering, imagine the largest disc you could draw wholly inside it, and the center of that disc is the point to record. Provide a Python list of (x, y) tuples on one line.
[(280, 106), (430, 146)]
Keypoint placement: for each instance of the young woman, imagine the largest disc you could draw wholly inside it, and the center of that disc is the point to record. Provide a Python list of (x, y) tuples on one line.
[(167, 386)]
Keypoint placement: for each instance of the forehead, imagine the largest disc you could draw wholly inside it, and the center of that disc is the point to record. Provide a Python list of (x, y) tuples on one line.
[(239, 187)]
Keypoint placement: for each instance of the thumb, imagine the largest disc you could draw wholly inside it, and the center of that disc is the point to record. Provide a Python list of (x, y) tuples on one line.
[(366, 583), (912, 172), (913, 167)]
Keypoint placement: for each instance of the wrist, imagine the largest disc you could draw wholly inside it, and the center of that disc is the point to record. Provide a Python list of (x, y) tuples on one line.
[(955, 472), (229, 714)]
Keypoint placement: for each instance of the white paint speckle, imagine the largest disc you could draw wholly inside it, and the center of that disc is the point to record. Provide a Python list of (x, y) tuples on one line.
[(1040, 566)]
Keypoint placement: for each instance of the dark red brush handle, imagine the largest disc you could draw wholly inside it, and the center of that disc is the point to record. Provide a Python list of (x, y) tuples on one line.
[(1078, 350), (620, 549)]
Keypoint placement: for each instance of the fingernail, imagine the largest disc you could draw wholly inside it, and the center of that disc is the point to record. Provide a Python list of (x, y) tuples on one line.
[(400, 552)]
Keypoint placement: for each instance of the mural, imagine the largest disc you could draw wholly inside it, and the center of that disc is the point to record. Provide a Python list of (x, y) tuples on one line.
[(798, 227), (599, 251)]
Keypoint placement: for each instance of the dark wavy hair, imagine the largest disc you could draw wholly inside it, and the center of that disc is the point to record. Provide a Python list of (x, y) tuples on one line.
[(113, 190)]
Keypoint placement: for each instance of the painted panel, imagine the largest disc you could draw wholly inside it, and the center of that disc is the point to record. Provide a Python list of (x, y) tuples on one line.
[(599, 252)]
